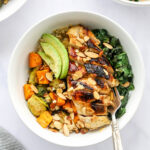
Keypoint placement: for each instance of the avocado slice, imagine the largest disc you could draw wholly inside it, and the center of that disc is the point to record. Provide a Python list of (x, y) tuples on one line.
[(54, 59), (57, 44)]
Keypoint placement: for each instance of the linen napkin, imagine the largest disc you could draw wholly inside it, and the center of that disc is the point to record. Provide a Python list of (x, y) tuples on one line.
[(8, 142)]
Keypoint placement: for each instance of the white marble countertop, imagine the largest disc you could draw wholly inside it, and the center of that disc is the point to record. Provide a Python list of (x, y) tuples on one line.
[(136, 135)]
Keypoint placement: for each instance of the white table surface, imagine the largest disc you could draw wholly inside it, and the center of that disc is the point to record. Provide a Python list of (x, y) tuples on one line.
[(136, 135)]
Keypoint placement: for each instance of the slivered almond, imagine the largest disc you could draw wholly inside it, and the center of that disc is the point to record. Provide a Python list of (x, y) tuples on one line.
[(96, 95), (86, 38), (91, 81), (49, 76), (86, 59), (56, 117), (76, 50), (65, 130), (108, 45), (91, 54), (59, 90), (121, 97), (34, 88), (58, 125), (61, 96), (80, 40), (70, 89), (81, 54), (126, 84), (77, 75), (105, 72)]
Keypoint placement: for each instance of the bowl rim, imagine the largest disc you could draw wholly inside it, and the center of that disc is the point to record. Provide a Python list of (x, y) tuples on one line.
[(15, 10), (132, 3), (13, 56)]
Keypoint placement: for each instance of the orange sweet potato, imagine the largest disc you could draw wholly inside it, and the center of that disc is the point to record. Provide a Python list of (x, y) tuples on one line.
[(34, 60), (28, 92), (44, 119), (53, 96), (67, 105), (41, 76), (60, 101)]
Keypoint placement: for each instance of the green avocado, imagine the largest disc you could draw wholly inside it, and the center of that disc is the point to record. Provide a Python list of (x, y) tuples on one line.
[(57, 44), (54, 60)]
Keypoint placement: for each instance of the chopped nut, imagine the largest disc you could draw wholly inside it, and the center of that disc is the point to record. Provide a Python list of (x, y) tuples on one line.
[(81, 54), (121, 97), (56, 107), (80, 40), (80, 124), (49, 76), (56, 117), (108, 45), (61, 96), (91, 81), (86, 59), (70, 89), (59, 90), (126, 84), (86, 38), (76, 50), (96, 95), (72, 116), (58, 125), (62, 85), (54, 101), (91, 54), (65, 130), (34, 88), (105, 72), (77, 75), (79, 87)]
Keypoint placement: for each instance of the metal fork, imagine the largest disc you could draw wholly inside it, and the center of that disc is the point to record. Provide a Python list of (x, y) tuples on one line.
[(115, 127)]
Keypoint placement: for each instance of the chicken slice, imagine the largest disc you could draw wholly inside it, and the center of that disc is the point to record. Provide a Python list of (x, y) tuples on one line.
[(94, 122)]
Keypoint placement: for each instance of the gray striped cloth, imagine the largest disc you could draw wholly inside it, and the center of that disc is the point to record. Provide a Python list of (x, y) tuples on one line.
[(8, 142)]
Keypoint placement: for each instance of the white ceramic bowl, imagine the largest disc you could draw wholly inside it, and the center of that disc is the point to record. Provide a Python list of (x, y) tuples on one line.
[(10, 8), (18, 73), (132, 3)]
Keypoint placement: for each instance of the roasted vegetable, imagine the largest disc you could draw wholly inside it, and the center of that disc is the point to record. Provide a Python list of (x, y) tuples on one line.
[(28, 92), (41, 90), (59, 100), (57, 84), (44, 119), (36, 105), (34, 60), (32, 76), (120, 63), (41, 76)]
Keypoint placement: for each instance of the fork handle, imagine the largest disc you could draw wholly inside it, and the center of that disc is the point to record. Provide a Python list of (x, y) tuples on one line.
[(116, 134)]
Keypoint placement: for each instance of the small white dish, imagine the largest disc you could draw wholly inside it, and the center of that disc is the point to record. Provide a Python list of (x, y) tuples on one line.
[(18, 74), (10, 8), (133, 3)]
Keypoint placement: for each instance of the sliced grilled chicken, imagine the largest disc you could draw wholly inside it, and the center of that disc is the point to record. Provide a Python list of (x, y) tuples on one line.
[(90, 78), (94, 122)]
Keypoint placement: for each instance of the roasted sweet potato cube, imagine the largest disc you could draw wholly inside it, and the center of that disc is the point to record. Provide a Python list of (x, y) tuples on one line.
[(28, 92), (34, 60), (41, 76), (44, 119)]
